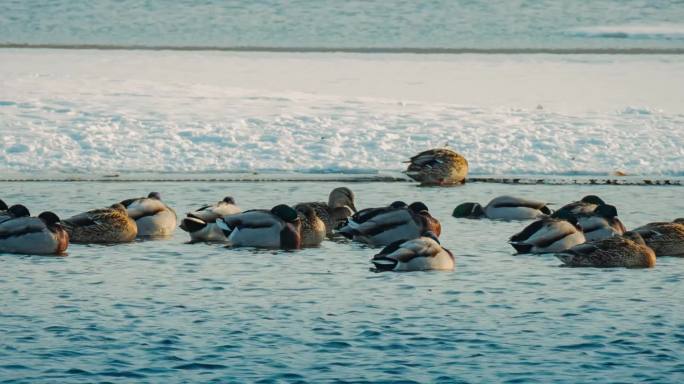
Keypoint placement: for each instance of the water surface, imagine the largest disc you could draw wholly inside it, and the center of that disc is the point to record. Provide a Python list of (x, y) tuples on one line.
[(166, 311)]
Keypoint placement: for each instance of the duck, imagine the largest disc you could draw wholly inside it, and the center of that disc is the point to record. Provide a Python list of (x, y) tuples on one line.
[(420, 254), (385, 225), (278, 228), (440, 166), (201, 224), (601, 223), (105, 225), (313, 229), (666, 239), (42, 235), (152, 216), (586, 205), (3, 210), (548, 235), (626, 251), (334, 214), (504, 208), (14, 211)]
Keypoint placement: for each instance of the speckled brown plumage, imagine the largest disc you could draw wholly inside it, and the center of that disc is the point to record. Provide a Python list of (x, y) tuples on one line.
[(440, 166)]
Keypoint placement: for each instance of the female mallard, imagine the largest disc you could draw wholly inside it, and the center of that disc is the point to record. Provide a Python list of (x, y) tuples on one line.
[(421, 254), (151, 215), (628, 251), (106, 225), (438, 167), (42, 235), (201, 224), (548, 235), (383, 226), (666, 239), (504, 208), (334, 214), (313, 228), (278, 228)]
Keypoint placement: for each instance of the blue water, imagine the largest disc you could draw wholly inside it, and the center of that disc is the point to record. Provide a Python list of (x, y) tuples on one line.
[(165, 311), (478, 24)]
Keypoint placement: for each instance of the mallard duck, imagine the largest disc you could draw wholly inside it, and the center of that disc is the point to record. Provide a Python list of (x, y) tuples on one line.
[(313, 229), (439, 166), (201, 224), (383, 226), (548, 235), (14, 211), (278, 228), (628, 251), (585, 206), (421, 254), (334, 214), (106, 225), (3, 210), (504, 208), (666, 239), (151, 215), (42, 235), (601, 223)]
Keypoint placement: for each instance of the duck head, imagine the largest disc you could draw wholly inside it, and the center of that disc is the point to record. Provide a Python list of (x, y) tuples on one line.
[(418, 207), (679, 220), (154, 195), (569, 217), (341, 197), (593, 199), (18, 210), (228, 200), (286, 213), (606, 211), (635, 237), (469, 210)]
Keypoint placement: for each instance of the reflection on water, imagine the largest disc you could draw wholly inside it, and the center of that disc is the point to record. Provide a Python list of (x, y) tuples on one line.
[(170, 311)]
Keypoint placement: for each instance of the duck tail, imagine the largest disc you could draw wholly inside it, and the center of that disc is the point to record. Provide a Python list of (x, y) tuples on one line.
[(192, 224), (383, 263)]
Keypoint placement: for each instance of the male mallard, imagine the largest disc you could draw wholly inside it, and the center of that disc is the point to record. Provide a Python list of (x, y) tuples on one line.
[(334, 214), (278, 228), (587, 205), (548, 235), (421, 254), (313, 229), (627, 251), (151, 215), (504, 208), (14, 211), (3, 211), (201, 224), (383, 226), (666, 239), (601, 223), (42, 235), (439, 166), (106, 225)]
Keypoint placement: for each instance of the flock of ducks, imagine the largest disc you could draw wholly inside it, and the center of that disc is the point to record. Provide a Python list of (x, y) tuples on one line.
[(585, 233)]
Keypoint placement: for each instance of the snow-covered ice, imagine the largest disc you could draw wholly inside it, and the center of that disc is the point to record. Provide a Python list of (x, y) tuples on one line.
[(159, 111)]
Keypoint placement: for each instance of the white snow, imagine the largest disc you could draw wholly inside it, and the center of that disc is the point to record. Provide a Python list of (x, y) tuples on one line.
[(161, 111)]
